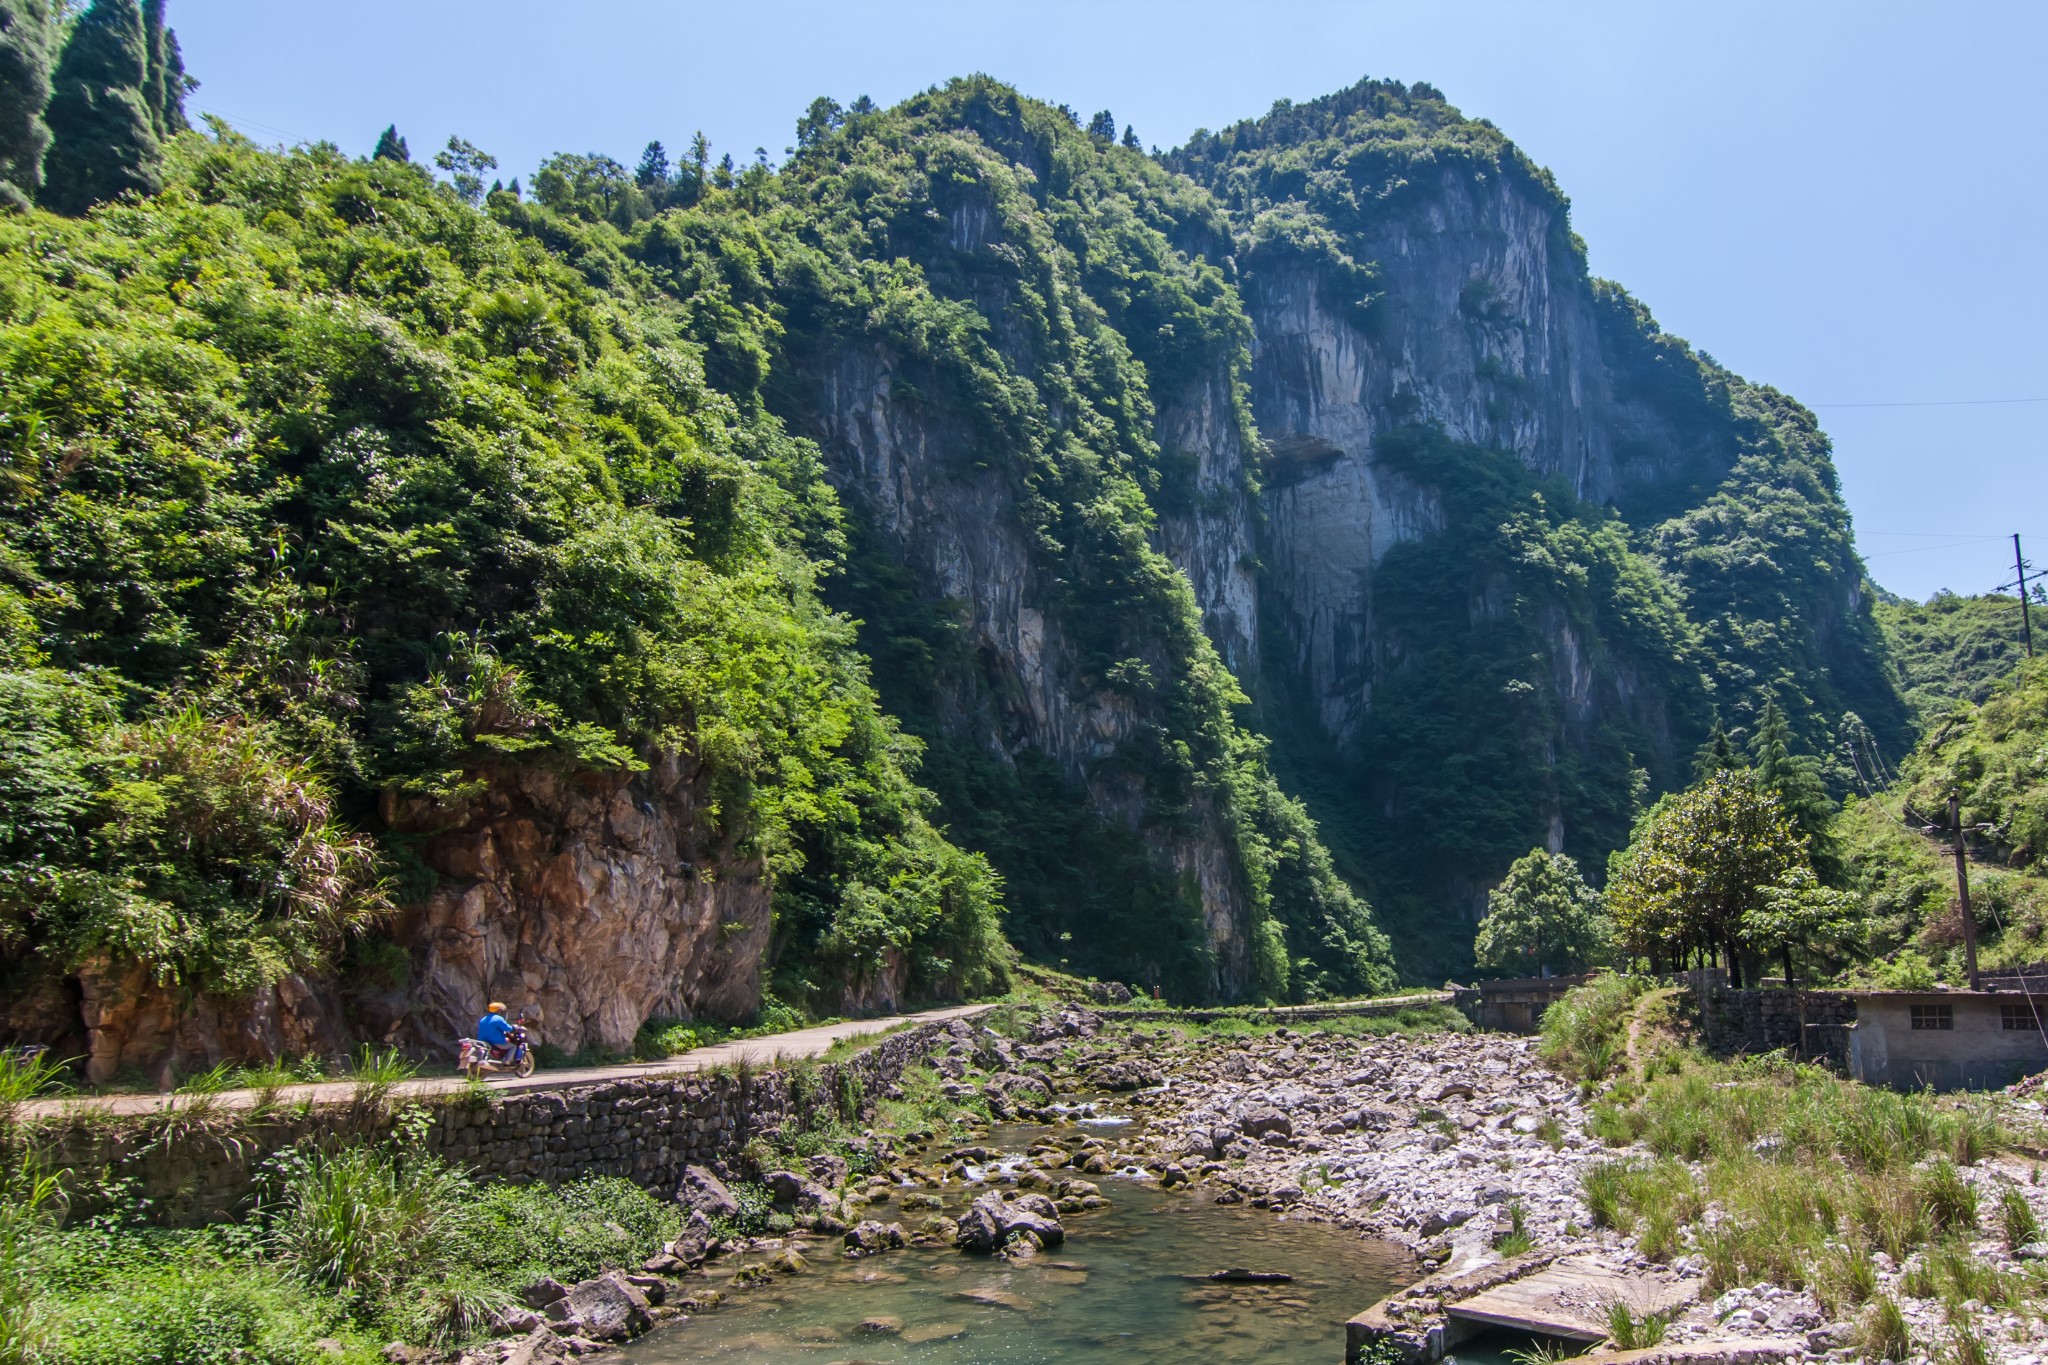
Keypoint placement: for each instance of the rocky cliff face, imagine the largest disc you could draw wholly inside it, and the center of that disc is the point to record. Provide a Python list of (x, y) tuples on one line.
[(594, 898), (1014, 685), (1486, 328)]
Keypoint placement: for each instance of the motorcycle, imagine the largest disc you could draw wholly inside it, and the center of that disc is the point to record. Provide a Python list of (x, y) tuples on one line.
[(477, 1060)]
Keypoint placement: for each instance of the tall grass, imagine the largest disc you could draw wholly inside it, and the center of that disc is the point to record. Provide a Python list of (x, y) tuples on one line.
[(30, 1200), (1585, 1035), (361, 1223), (25, 1077), (1810, 1173)]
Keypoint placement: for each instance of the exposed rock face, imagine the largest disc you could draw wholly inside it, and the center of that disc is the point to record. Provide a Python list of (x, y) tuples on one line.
[(1488, 328), (959, 530), (132, 1024), (595, 898)]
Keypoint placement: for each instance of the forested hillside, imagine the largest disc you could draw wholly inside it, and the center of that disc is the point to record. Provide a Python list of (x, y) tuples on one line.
[(1525, 546), (640, 590)]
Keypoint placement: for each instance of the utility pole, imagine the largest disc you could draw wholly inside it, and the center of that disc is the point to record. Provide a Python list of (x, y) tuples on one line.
[(1955, 824), (2026, 617)]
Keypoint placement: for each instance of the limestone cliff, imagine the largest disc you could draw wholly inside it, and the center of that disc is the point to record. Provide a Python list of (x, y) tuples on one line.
[(1454, 413)]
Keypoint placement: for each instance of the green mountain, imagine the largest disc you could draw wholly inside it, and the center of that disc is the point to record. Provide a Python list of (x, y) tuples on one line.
[(690, 582)]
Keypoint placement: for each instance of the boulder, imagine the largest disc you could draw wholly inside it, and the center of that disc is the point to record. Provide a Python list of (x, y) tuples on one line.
[(868, 1237), (702, 1192), (1262, 1120), (790, 1190), (608, 1308), (981, 1227), (828, 1170), (543, 1292), (1128, 1074)]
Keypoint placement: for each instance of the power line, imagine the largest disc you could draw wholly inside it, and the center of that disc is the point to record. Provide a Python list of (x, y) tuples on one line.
[(1935, 403)]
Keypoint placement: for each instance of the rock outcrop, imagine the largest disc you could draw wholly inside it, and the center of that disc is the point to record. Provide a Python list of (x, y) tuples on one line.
[(593, 897)]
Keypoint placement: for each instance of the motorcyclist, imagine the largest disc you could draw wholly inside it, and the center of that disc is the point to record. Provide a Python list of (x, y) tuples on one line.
[(495, 1030)]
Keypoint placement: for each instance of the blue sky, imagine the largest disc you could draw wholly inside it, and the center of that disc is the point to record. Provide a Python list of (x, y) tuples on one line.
[(1844, 200)]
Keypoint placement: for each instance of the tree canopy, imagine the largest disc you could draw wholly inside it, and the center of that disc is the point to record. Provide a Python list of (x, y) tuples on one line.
[(1542, 918)]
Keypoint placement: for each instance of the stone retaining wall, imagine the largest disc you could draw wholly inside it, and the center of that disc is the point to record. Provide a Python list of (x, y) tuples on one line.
[(1751, 1021), (196, 1167)]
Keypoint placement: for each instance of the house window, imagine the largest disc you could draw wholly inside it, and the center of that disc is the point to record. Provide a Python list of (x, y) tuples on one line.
[(2018, 1017), (1934, 1016)]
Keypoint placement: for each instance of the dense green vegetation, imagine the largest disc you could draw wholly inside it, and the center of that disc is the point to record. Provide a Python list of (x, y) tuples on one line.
[(1952, 648), (1542, 919), (1992, 756), (320, 482)]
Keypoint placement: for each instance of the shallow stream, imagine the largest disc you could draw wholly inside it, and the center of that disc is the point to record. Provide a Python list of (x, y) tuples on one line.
[(1126, 1286)]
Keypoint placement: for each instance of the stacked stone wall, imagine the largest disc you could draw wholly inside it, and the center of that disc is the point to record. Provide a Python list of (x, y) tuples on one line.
[(196, 1166), (1734, 1022)]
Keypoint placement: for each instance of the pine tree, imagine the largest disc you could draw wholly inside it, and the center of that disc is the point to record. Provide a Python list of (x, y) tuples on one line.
[(165, 83), (1103, 127), (26, 39), (391, 147), (1795, 779), (1717, 755), (153, 63), (103, 139), (177, 85), (1130, 138), (653, 168)]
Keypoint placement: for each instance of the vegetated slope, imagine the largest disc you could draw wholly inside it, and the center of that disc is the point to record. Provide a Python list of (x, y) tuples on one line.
[(1953, 648), (325, 492), (1030, 391), (1994, 756), (1522, 544)]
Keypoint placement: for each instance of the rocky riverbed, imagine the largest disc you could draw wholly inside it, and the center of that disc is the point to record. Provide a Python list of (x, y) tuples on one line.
[(1462, 1147)]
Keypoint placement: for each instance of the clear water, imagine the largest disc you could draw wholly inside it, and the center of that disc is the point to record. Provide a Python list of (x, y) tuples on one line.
[(1119, 1289)]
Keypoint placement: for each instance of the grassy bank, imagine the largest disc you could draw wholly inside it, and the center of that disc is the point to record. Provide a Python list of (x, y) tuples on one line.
[(1766, 1170), (353, 1246)]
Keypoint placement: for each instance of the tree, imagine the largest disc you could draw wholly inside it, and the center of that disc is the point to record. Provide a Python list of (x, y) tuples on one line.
[(1795, 779), (26, 39), (652, 172), (1103, 127), (1543, 915), (103, 136), (1706, 863), (465, 164), (819, 121), (1717, 755), (1798, 912), (391, 147), (165, 83), (1130, 138)]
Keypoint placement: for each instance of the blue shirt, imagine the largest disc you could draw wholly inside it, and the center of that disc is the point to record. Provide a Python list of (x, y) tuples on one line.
[(493, 1029)]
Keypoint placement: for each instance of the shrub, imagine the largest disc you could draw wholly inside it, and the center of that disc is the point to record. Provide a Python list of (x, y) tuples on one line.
[(2016, 1218), (362, 1223), (197, 1313)]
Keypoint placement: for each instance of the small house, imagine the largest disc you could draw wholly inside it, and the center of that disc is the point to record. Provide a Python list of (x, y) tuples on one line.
[(1947, 1040)]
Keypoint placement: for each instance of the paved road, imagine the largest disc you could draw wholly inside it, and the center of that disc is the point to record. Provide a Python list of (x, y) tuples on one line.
[(757, 1052)]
